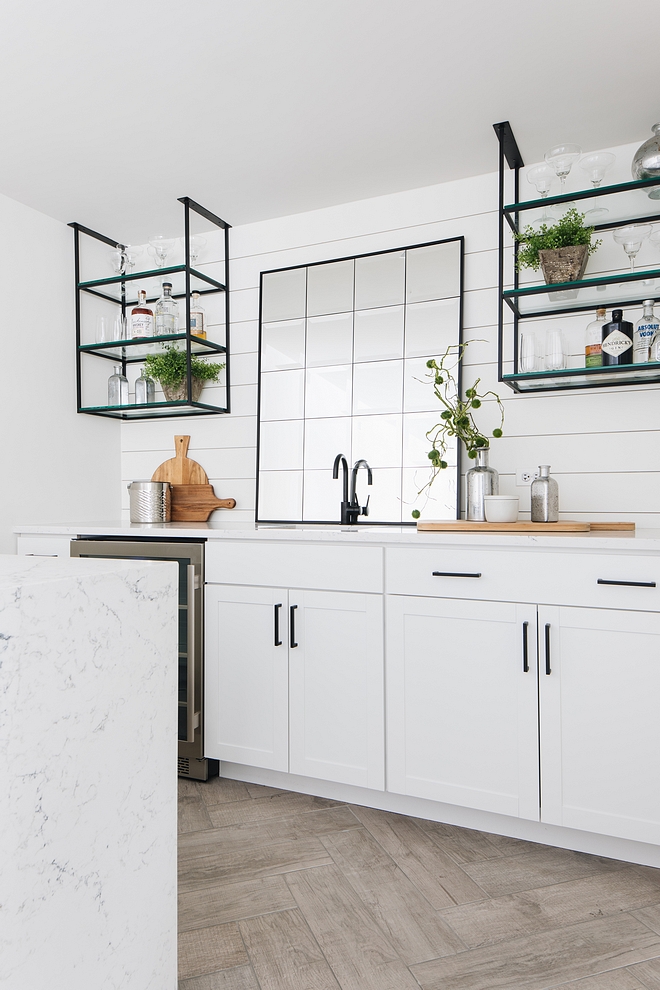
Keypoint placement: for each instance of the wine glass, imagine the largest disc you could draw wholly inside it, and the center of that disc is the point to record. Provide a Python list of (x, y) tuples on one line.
[(596, 166), (631, 238), (541, 176), (196, 244), (122, 258), (160, 248), (562, 158), (654, 237)]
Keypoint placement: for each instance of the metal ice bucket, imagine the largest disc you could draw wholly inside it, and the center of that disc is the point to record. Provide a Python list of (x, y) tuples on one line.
[(150, 501)]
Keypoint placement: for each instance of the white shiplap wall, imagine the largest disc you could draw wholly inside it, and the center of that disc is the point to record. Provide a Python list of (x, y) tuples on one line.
[(602, 444)]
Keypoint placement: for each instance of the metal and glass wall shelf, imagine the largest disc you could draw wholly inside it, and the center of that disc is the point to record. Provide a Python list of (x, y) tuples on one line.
[(541, 327), (197, 267)]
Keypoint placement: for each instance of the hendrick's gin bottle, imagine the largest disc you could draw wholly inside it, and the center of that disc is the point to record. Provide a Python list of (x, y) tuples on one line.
[(617, 346)]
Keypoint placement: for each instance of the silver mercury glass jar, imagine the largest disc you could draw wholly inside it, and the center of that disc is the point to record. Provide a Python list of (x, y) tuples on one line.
[(646, 163), (545, 496), (480, 480)]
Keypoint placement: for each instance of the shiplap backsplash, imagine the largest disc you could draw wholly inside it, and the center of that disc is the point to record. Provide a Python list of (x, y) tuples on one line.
[(602, 444)]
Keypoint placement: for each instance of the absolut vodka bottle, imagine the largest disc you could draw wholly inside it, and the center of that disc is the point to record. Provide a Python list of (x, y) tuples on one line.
[(645, 330)]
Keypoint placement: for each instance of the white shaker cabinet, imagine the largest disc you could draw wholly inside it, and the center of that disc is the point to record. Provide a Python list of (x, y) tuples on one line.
[(599, 720), (462, 703), (295, 681)]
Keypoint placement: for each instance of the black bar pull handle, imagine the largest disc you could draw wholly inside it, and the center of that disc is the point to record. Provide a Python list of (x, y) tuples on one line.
[(525, 649), (628, 584), (455, 574), (278, 641), (547, 648), (292, 626)]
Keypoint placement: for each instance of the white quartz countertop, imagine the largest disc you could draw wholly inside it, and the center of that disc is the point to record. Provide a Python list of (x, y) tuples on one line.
[(642, 540)]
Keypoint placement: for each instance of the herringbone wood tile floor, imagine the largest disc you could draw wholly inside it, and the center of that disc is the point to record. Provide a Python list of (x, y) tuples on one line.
[(281, 891)]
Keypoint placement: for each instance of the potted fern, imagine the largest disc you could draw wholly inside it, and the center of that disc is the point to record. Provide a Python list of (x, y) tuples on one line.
[(169, 368), (561, 251)]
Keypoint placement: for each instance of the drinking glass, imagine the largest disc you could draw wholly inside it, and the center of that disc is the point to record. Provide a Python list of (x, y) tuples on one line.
[(527, 352), (160, 248), (555, 355), (596, 166), (122, 258), (119, 328), (102, 329), (196, 243), (654, 237), (631, 238), (562, 158), (541, 176)]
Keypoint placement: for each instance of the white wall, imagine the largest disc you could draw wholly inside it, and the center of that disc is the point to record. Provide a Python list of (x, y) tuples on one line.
[(602, 444), (58, 465)]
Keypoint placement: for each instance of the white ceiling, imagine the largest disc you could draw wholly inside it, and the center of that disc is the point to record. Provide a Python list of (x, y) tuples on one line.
[(262, 108)]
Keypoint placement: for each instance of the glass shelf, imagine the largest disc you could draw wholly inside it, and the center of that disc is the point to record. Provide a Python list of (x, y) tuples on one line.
[(200, 282), (590, 193), (150, 410), (139, 349), (620, 289), (567, 378)]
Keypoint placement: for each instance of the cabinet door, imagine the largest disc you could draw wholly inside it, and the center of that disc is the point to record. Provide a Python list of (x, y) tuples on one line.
[(336, 687), (247, 676), (600, 730), (462, 710)]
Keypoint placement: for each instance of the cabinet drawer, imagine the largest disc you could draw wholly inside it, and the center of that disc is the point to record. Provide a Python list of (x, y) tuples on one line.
[(329, 568), (619, 581), (43, 546), (460, 573)]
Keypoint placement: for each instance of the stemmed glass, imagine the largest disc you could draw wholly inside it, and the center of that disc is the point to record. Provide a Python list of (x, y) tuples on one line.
[(596, 166), (562, 158), (160, 248), (631, 238), (541, 176), (654, 237), (122, 258), (196, 244)]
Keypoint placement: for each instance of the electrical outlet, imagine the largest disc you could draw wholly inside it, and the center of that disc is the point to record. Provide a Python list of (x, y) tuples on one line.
[(526, 476)]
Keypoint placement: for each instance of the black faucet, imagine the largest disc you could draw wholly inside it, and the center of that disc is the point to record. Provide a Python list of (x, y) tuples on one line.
[(351, 508)]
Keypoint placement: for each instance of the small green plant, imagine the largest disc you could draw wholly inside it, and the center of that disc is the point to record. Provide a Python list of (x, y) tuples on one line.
[(567, 232), (456, 419), (170, 369)]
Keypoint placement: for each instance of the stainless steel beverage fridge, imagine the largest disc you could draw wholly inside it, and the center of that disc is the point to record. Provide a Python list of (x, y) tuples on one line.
[(189, 555)]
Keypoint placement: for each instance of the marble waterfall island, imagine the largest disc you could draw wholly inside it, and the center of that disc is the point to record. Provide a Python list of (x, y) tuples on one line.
[(88, 713)]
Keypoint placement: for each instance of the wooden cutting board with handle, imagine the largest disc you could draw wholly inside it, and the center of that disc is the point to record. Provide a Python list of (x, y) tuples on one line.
[(180, 470), (195, 503)]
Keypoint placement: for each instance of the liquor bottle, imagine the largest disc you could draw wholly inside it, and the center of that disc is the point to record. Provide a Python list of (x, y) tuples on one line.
[(197, 318), (617, 340), (593, 357), (645, 330), (142, 318), (167, 311), (145, 389), (117, 388)]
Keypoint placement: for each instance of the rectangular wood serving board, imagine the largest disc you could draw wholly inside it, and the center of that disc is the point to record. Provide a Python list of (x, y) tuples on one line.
[(564, 526)]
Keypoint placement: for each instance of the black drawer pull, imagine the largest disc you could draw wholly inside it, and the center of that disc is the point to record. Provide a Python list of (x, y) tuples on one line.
[(278, 641), (547, 648), (454, 574), (628, 584), (525, 653), (292, 626)]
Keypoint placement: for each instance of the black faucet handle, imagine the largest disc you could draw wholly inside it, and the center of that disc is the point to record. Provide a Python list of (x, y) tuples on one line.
[(365, 508)]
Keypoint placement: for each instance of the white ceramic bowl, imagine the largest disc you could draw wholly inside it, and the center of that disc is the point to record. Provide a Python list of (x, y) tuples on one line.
[(501, 508)]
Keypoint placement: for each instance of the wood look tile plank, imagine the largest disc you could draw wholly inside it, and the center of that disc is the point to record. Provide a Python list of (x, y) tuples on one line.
[(233, 902), (240, 978), (551, 907), (435, 874), (351, 941), (650, 916), (262, 790), (648, 973), (415, 929), (284, 953), (193, 815), (261, 809), (537, 869), (537, 962), (616, 979), (246, 852), (222, 790), (464, 845), (209, 949)]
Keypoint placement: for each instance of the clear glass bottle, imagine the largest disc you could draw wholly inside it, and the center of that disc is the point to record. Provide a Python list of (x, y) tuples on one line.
[(142, 318), (197, 317), (145, 389), (545, 496), (167, 311), (645, 331), (117, 388), (480, 480), (593, 336)]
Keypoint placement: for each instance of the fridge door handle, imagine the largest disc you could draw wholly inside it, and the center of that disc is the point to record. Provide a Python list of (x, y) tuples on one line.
[(192, 717)]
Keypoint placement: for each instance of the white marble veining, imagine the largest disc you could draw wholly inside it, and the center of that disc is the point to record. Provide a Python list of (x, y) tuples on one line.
[(639, 541), (88, 661)]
